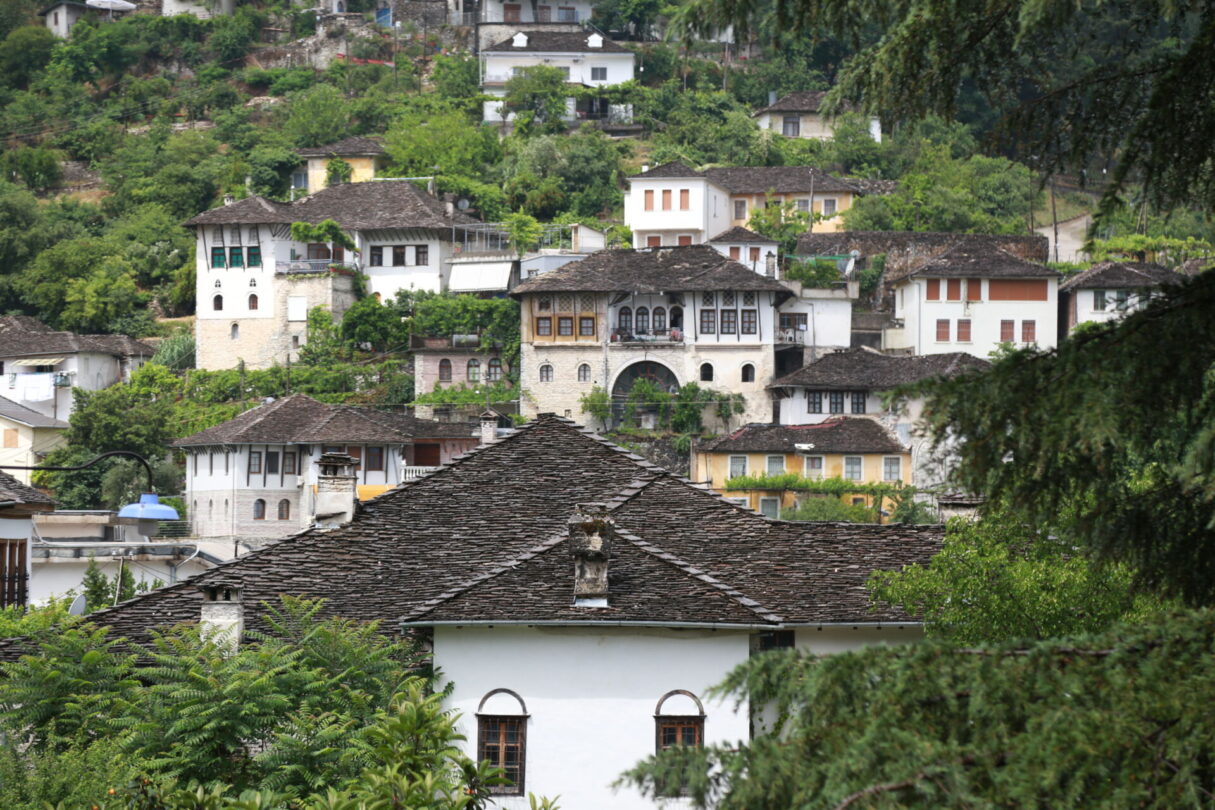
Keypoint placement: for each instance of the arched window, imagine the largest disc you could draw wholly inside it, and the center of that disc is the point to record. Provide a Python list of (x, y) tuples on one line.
[(284, 509), (660, 319), (217, 303), (474, 370), (445, 370), (706, 372), (502, 737), (546, 373), (259, 509), (584, 373), (677, 317), (253, 301), (625, 319), (643, 319), (748, 372), (234, 332), (679, 720), (493, 372)]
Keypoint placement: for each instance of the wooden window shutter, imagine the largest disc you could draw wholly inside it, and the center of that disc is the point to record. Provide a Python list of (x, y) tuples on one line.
[(934, 289)]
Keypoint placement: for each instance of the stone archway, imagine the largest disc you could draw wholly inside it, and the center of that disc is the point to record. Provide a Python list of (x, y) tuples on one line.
[(650, 370)]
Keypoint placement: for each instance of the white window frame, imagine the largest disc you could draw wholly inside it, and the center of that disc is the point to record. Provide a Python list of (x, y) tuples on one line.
[(767, 499), (768, 465), (898, 462), (730, 466), (835, 206), (744, 502), (860, 460), (816, 475)]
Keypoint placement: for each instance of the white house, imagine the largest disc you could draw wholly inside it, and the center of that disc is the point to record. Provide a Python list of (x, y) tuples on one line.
[(1108, 291), (566, 585), (747, 247), (587, 59), (255, 284), (26, 436), (257, 476), (497, 20), (800, 115), (18, 505), (39, 366), (61, 16), (972, 298)]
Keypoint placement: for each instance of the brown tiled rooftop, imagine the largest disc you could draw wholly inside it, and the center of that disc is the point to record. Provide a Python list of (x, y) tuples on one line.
[(867, 370)]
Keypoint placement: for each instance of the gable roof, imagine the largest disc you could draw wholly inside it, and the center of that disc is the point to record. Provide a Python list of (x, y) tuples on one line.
[(866, 369), (653, 271), (841, 434), (1122, 275), (14, 492), (301, 419), (978, 260), (761, 179), (673, 169), (17, 412), (492, 526), (556, 42), (23, 336), (375, 204), (802, 101), (740, 234), (347, 147)]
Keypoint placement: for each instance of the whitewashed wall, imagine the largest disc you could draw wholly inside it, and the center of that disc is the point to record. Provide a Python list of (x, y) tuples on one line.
[(920, 316)]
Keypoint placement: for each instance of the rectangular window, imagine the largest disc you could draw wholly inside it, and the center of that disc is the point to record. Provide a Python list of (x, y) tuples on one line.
[(376, 258), (740, 209), (803, 206), (236, 257), (502, 741), (567, 14), (297, 307), (289, 463), (814, 466), (686, 731), (754, 255), (1122, 299), (1014, 289), (272, 462), (829, 207), (964, 330), (708, 321), (1099, 300), (1006, 331), (775, 465), (375, 459), (775, 640), (854, 467), (942, 330), (858, 401), (729, 321), (666, 199), (974, 289), (649, 199), (218, 257), (255, 461), (685, 199), (544, 14), (318, 252), (892, 468), (599, 74), (814, 402), (738, 466), (934, 289), (653, 241), (254, 254), (1029, 331), (684, 241), (421, 255), (837, 401), (565, 327), (398, 255), (791, 126), (735, 252), (750, 322), (586, 327), (769, 507), (953, 289), (544, 326)]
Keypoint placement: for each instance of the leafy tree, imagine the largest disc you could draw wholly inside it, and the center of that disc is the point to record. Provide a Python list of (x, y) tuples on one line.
[(337, 171), (828, 507), (598, 403), (93, 303), (317, 116), (36, 167), (457, 77), (97, 590), (371, 324), (781, 222), (523, 232), (536, 95), (445, 143), (327, 231), (437, 314), (323, 345)]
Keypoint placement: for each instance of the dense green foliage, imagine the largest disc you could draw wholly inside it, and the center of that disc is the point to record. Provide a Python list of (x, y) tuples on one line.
[(829, 508)]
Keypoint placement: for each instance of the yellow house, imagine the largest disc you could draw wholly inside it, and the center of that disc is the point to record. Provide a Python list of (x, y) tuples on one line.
[(26, 436), (850, 448), (366, 158)]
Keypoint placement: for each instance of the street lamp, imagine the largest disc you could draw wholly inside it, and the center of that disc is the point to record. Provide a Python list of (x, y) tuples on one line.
[(148, 512)]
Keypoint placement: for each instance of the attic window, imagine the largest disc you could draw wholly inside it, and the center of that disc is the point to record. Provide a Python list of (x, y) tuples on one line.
[(519, 40)]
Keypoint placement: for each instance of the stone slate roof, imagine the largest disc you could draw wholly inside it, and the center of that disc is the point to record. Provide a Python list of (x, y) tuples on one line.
[(19, 413), (652, 271), (347, 147), (23, 336), (672, 169), (1193, 267), (867, 370), (841, 434), (740, 234), (300, 419), (803, 101), (760, 179), (1122, 275), (556, 42), (907, 250), (14, 491), (976, 260), (483, 539), (376, 204), (866, 185)]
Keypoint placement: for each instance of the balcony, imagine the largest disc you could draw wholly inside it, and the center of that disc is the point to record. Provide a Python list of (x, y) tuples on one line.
[(661, 336), (314, 267), (791, 337), (413, 473)]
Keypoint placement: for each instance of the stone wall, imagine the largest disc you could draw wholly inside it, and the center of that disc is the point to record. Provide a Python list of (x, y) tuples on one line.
[(209, 517), (657, 449)]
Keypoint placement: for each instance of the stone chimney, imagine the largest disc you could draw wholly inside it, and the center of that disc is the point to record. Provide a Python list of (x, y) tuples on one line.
[(222, 619), (489, 427), (336, 493), (449, 204), (229, 199), (591, 532)]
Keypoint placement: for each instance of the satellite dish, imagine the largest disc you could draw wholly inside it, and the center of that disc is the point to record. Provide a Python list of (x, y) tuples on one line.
[(78, 606), (462, 204)]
